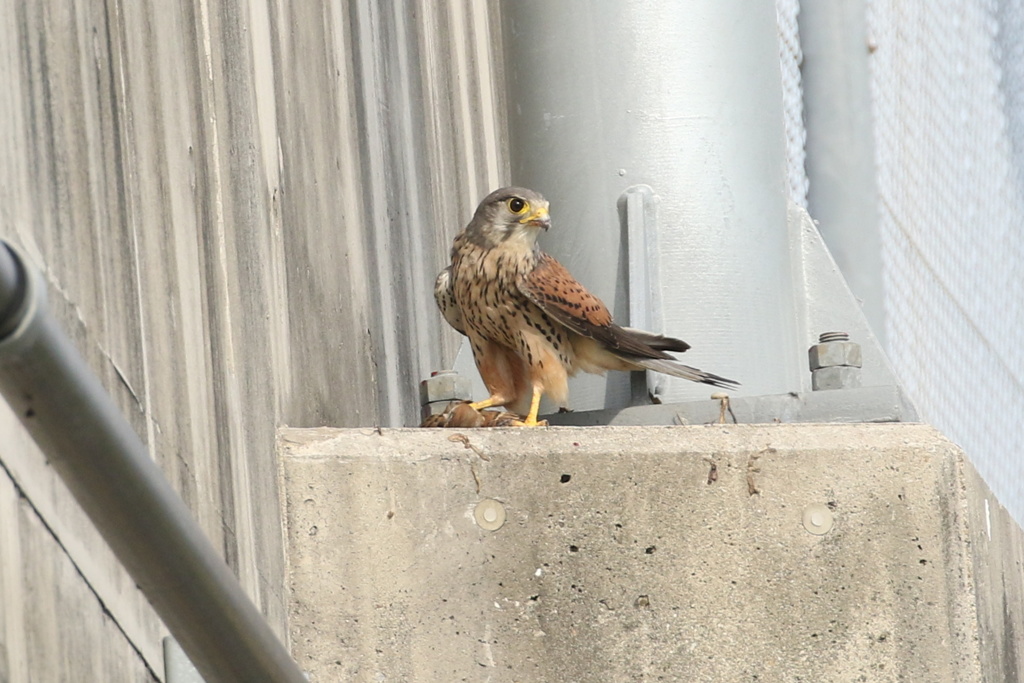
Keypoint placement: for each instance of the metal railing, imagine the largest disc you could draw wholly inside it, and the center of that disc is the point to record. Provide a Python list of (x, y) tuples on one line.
[(108, 469)]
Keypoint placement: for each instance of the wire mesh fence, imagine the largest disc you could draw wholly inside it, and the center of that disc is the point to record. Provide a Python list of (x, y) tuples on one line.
[(948, 104)]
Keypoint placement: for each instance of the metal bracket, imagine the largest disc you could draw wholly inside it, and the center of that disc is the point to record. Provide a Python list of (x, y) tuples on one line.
[(638, 213)]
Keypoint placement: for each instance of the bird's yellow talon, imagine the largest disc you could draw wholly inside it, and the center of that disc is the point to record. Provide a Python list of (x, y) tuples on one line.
[(526, 423), (488, 403), (531, 418)]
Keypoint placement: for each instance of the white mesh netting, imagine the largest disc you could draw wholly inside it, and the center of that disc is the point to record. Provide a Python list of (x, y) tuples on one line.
[(948, 101), (792, 94), (948, 85)]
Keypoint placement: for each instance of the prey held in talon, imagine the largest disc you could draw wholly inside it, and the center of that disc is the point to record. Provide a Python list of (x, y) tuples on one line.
[(530, 323)]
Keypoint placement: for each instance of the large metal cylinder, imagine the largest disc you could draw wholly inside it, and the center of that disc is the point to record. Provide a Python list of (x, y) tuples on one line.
[(685, 98)]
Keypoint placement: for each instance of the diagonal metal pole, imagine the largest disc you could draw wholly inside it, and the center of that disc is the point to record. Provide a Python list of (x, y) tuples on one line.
[(105, 465)]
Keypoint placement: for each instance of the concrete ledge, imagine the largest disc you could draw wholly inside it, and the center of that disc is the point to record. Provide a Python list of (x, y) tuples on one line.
[(647, 553)]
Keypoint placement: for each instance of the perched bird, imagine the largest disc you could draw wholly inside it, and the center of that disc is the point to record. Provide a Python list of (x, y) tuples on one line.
[(530, 323)]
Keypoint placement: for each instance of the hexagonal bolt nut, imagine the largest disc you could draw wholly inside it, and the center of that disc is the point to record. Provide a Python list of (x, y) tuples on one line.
[(835, 354), (843, 377), (445, 386)]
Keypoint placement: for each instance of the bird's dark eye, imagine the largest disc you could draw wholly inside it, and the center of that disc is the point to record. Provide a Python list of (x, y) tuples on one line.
[(517, 205)]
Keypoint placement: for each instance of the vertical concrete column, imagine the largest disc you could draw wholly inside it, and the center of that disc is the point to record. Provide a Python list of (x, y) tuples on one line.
[(686, 98)]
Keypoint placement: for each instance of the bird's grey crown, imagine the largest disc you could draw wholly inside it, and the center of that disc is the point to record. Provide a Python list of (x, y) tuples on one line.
[(503, 194), (493, 218), (495, 202)]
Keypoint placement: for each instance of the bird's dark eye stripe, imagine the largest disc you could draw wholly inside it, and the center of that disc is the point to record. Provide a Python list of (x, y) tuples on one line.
[(516, 205)]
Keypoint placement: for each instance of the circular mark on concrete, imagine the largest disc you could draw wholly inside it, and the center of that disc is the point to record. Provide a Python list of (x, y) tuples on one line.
[(818, 519), (489, 514)]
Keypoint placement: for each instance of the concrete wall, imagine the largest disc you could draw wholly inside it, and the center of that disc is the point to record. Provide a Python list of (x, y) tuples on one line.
[(238, 208), (698, 553), (53, 627)]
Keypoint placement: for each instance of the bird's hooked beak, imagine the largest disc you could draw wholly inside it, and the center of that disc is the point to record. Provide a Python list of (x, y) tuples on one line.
[(539, 217)]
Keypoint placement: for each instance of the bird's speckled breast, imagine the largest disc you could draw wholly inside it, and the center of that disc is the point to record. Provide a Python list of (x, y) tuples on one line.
[(485, 283)]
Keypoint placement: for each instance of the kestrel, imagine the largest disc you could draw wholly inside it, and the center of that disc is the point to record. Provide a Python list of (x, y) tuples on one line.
[(530, 323)]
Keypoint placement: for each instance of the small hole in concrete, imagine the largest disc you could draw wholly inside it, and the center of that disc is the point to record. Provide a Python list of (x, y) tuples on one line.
[(565, 478), (650, 549), (574, 549)]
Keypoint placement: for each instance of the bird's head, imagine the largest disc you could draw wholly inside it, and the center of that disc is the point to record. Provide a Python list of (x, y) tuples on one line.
[(511, 214)]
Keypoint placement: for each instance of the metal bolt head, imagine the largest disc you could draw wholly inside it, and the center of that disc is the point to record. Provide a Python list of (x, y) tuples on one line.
[(827, 379), (835, 354), (445, 386)]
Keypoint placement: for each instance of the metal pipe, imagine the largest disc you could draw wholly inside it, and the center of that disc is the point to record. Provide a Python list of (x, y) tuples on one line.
[(108, 470), (684, 97), (12, 293)]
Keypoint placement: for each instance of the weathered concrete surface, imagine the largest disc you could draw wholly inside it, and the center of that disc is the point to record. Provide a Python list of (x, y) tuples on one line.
[(238, 209), (54, 626), (647, 554)]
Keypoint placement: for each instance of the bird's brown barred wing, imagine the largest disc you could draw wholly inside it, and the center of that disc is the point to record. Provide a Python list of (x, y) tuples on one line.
[(554, 289), (551, 287)]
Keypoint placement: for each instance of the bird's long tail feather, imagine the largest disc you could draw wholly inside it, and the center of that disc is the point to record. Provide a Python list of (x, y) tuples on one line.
[(676, 369), (658, 342)]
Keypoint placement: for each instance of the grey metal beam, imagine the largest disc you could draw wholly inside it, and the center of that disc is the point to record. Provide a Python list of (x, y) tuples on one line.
[(108, 469), (843, 192), (863, 404)]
